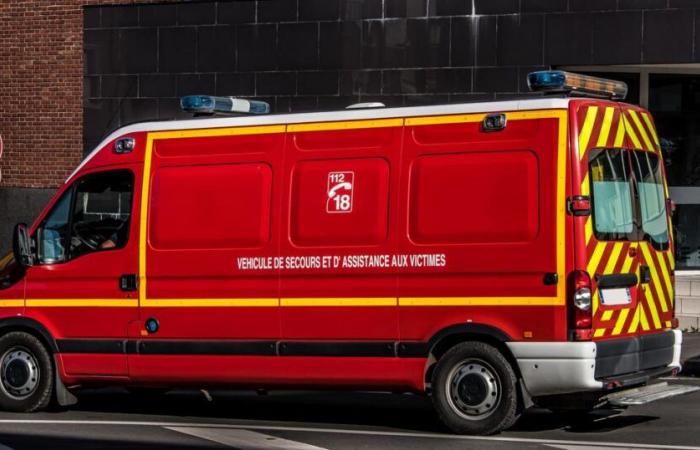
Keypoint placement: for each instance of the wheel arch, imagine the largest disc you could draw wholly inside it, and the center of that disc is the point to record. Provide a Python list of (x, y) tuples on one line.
[(32, 327), (448, 337)]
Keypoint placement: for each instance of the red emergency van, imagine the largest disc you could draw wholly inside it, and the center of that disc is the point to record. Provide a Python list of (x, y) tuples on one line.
[(493, 255)]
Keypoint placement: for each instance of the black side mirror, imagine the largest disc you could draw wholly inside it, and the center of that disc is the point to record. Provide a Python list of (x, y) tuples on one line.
[(21, 246)]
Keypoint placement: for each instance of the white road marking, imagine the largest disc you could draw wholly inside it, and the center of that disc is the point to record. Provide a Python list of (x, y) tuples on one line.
[(615, 445), (243, 439)]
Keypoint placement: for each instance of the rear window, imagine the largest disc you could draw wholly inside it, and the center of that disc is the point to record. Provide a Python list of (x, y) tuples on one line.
[(652, 198), (613, 217)]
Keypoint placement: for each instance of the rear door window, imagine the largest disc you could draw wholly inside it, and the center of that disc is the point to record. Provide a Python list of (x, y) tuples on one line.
[(652, 198), (613, 213)]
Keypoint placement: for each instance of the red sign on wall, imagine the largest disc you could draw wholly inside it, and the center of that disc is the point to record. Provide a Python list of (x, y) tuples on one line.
[(340, 192)]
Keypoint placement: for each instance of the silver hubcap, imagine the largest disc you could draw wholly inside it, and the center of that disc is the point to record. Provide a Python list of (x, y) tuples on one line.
[(473, 389), (20, 373)]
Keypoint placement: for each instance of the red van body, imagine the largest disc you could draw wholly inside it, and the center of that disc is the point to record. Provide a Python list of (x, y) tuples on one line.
[(354, 249)]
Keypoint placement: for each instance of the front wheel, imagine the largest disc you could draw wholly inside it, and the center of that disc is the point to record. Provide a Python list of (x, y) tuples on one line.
[(474, 389), (26, 373)]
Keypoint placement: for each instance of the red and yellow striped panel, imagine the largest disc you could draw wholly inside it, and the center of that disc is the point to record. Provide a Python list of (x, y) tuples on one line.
[(609, 126)]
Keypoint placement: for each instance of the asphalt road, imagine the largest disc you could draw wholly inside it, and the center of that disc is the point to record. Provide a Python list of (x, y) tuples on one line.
[(115, 419)]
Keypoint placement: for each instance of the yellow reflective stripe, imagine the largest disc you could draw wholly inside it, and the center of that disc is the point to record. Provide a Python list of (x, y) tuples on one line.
[(628, 261), (7, 303), (83, 303), (345, 125), (605, 127), (620, 135), (479, 301), (635, 322), (586, 130), (654, 277), (210, 302), (612, 260), (642, 132), (607, 315), (370, 301), (652, 308), (599, 332), (588, 229), (630, 132), (218, 132), (652, 129), (643, 318), (620, 321), (478, 117), (585, 185), (595, 258), (665, 275)]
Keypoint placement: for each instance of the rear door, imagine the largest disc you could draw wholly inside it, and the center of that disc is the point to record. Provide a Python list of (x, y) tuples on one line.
[(610, 235)]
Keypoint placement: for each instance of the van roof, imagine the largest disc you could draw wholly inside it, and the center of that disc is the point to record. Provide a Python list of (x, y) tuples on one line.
[(332, 116)]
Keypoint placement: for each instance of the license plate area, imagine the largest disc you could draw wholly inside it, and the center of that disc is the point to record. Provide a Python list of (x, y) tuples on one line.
[(615, 296)]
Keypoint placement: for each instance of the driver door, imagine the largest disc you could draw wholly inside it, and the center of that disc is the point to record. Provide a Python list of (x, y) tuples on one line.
[(83, 287)]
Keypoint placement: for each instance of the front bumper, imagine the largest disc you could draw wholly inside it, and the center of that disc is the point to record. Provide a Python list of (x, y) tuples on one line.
[(550, 368)]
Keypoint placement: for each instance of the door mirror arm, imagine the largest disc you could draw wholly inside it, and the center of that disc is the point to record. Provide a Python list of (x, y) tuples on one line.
[(22, 246)]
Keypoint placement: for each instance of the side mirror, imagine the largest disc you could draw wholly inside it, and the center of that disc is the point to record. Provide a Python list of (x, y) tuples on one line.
[(21, 246)]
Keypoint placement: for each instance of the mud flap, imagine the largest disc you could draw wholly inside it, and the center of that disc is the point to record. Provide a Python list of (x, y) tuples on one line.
[(63, 396)]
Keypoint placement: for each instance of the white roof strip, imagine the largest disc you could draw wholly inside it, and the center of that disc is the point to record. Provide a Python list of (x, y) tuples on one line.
[(331, 116)]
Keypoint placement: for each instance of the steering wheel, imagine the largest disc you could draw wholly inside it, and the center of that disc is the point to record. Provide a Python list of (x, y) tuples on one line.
[(90, 240)]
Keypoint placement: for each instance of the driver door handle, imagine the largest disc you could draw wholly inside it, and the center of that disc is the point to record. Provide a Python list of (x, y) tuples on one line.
[(128, 283)]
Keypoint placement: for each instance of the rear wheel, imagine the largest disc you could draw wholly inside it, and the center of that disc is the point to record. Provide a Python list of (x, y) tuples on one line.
[(474, 389), (26, 373)]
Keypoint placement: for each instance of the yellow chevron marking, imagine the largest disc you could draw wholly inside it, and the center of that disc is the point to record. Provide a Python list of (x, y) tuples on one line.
[(666, 276), (595, 258), (635, 322), (586, 130), (595, 301), (612, 260), (643, 318), (585, 185), (599, 332), (654, 136), (628, 261), (605, 127), (642, 132), (654, 277), (620, 321), (652, 308), (630, 132), (620, 135), (588, 229), (607, 315)]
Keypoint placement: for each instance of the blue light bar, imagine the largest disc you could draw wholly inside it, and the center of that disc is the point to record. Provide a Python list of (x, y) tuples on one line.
[(208, 104), (559, 81)]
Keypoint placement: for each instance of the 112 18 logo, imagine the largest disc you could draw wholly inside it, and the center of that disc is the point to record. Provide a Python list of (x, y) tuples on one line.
[(340, 192)]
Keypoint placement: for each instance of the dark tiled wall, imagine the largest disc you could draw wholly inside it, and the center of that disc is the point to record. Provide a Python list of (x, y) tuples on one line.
[(323, 54)]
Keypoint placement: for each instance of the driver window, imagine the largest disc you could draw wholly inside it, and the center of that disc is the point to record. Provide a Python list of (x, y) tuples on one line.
[(93, 216)]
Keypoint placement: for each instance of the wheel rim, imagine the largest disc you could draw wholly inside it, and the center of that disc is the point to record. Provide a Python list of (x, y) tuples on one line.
[(20, 373), (473, 389)]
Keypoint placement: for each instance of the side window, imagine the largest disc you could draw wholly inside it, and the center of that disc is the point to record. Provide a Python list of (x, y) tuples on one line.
[(94, 215)]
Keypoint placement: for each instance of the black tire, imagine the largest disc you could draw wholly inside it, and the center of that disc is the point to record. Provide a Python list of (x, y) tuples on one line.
[(24, 357), (475, 390)]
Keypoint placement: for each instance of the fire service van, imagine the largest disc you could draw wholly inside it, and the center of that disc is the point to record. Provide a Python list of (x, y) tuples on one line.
[(492, 255)]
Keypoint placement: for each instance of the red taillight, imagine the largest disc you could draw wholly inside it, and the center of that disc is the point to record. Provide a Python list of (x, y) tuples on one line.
[(581, 311)]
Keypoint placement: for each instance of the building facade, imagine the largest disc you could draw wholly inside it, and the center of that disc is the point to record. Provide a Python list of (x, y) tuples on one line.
[(75, 70)]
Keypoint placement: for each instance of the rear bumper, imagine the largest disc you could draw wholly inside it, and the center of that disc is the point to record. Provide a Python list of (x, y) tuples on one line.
[(550, 368)]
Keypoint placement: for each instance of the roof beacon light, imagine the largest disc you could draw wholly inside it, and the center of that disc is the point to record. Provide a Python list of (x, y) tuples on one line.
[(207, 104), (558, 81)]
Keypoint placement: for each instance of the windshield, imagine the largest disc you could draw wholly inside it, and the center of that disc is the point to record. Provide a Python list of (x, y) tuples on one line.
[(652, 199)]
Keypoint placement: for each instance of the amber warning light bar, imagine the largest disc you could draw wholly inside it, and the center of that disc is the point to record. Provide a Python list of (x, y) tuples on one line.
[(559, 81)]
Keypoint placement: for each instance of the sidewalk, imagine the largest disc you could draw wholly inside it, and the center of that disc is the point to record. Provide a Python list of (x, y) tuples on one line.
[(690, 354)]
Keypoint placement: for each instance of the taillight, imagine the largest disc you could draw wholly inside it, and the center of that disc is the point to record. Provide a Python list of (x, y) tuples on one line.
[(581, 308)]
